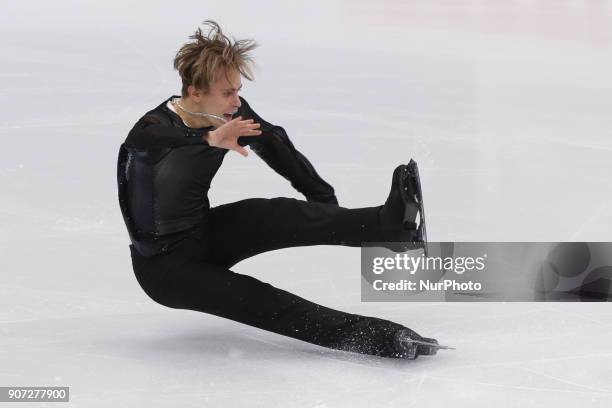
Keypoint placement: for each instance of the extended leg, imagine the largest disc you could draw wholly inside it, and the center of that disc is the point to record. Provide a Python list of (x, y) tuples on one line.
[(249, 227), (179, 282)]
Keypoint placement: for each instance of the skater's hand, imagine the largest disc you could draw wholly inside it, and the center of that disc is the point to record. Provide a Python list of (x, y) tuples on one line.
[(226, 136)]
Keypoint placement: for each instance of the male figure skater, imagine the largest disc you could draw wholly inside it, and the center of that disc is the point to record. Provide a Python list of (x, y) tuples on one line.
[(182, 249)]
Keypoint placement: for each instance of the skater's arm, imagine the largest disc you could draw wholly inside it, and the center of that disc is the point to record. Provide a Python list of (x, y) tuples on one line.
[(275, 148), (149, 132)]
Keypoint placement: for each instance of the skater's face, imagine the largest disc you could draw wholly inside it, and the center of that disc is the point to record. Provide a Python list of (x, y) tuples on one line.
[(222, 97)]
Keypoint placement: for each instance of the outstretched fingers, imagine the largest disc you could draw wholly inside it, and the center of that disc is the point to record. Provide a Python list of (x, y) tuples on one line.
[(248, 128), (240, 149)]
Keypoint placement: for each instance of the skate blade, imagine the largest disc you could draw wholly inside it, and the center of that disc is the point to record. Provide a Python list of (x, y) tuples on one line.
[(415, 179), (435, 345)]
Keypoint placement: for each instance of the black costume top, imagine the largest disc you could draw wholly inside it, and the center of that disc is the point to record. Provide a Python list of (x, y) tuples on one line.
[(165, 168)]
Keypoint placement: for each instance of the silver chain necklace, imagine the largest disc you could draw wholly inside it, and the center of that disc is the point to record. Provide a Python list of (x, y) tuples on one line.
[(176, 103)]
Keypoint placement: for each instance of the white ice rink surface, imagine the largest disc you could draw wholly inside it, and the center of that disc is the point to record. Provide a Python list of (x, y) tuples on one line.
[(506, 105)]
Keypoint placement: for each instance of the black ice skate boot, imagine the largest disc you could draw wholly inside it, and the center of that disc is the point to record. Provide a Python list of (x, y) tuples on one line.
[(410, 345), (398, 214)]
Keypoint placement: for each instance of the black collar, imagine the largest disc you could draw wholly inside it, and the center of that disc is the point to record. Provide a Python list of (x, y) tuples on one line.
[(176, 118)]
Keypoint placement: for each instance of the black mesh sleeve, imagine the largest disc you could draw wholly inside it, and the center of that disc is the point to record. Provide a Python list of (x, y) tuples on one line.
[(275, 148)]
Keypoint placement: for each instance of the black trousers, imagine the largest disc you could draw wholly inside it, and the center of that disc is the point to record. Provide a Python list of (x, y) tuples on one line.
[(196, 275)]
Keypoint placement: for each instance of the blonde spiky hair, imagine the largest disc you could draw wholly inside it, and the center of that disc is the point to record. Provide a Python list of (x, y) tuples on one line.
[(199, 61)]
